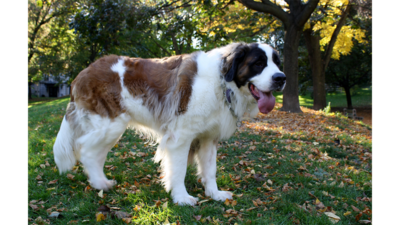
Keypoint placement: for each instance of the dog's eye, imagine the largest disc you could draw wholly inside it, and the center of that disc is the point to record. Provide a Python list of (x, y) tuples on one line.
[(259, 64)]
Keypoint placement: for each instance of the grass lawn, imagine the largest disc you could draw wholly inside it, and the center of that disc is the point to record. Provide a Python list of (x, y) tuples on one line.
[(41, 100), (360, 98), (283, 168)]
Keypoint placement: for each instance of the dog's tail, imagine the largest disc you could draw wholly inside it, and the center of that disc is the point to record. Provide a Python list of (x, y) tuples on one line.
[(63, 147)]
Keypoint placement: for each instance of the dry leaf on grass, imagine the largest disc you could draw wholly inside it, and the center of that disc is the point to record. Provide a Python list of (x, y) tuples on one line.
[(70, 176), (122, 214), (285, 187), (55, 215), (364, 221), (100, 216), (100, 194), (258, 177), (197, 217), (53, 182), (34, 207), (332, 217), (355, 208)]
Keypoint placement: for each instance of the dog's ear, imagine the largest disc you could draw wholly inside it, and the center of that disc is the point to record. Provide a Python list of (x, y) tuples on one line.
[(232, 61)]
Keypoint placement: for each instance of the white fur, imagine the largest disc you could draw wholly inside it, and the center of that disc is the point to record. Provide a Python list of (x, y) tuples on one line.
[(63, 150), (207, 119)]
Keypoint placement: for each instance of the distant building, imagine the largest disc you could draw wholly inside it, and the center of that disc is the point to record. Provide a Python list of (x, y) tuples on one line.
[(49, 87)]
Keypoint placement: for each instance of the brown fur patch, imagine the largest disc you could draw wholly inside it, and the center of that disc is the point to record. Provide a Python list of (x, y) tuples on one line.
[(98, 89), (157, 78)]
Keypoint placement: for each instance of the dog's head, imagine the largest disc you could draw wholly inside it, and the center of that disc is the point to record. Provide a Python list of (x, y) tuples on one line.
[(255, 70)]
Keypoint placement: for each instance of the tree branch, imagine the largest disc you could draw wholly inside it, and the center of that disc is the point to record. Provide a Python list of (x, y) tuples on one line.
[(268, 7), (306, 12), (165, 50), (335, 34)]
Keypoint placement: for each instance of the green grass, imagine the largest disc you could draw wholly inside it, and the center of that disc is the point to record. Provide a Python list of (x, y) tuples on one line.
[(283, 158), (360, 98), (41, 100)]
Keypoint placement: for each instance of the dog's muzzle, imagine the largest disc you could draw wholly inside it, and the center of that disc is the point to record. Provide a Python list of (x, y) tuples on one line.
[(279, 81)]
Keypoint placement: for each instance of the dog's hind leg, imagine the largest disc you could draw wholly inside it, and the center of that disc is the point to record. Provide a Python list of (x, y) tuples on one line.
[(174, 163), (206, 160), (95, 145)]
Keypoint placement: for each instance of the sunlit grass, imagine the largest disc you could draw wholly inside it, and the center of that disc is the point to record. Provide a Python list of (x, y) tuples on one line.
[(360, 98)]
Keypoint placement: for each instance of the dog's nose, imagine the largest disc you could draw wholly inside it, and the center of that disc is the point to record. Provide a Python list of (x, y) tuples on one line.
[(279, 78)]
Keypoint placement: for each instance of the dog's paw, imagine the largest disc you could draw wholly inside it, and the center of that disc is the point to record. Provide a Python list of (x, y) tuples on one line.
[(104, 185), (185, 200), (221, 195)]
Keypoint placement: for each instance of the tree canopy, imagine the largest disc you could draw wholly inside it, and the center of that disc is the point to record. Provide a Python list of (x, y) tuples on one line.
[(66, 36)]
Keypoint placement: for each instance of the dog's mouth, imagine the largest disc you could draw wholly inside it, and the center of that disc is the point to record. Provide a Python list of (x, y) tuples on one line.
[(265, 100)]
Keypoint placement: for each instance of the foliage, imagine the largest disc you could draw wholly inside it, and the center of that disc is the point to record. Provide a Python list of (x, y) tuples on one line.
[(352, 70), (280, 167), (46, 35), (224, 21), (323, 23)]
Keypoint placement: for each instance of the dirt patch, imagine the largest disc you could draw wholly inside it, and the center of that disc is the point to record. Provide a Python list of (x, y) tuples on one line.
[(365, 112)]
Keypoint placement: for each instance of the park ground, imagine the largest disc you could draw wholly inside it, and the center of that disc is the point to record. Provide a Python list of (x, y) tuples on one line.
[(283, 168)]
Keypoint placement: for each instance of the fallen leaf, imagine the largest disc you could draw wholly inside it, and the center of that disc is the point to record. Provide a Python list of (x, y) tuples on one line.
[(137, 208), (122, 214), (197, 217), (158, 203), (227, 202), (53, 182), (54, 215), (100, 194), (202, 201), (100, 217), (358, 216), (39, 220), (332, 217), (34, 207), (165, 205), (234, 202), (285, 187), (255, 203), (355, 208), (103, 208), (239, 195), (38, 177), (70, 176), (347, 213), (127, 220), (258, 177), (269, 182), (364, 221)]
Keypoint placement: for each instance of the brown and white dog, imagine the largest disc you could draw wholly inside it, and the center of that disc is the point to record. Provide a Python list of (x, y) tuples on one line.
[(186, 103)]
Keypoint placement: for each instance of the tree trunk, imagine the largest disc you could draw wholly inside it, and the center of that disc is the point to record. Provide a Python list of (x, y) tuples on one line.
[(348, 97), (291, 69), (29, 90), (175, 44), (317, 69)]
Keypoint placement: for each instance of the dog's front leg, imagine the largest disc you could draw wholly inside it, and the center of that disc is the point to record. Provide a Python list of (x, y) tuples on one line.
[(207, 169), (174, 165)]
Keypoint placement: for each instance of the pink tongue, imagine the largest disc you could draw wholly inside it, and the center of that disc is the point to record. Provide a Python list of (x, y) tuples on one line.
[(266, 102)]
